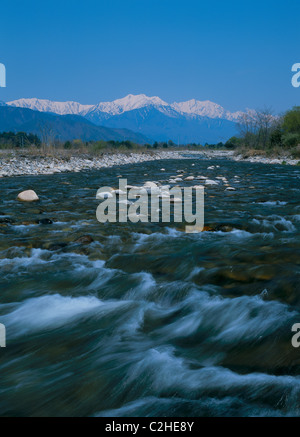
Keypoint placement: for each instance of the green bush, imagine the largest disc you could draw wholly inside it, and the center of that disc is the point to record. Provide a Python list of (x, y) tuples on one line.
[(276, 138), (99, 146), (67, 145), (233, 143), (291, 121), (296, 152), (291, 140)]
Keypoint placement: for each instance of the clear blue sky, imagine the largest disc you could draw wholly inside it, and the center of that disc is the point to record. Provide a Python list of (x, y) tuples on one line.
[(235, 53)]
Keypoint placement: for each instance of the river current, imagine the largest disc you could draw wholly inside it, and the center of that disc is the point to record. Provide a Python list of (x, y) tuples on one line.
[(124, 319)]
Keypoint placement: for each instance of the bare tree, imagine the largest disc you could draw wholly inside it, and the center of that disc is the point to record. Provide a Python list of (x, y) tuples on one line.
[(47, 134), (256, 127), (265, 124), (247, 125)]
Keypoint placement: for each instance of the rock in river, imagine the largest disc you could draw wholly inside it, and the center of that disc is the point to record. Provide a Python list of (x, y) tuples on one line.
[(28, 196), (44, 221), (85, 239)]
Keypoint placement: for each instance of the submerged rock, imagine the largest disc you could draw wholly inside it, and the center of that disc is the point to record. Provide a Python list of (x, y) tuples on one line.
[(44, 221), (56, 246), (207, 229), (85, 239), (6, 220)]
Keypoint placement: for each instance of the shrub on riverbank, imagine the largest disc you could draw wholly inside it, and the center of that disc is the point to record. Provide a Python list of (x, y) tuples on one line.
[(31, 145), (266, 134)]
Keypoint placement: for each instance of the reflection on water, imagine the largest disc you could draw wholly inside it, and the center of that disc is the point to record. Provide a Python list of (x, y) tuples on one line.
[(144, 319)]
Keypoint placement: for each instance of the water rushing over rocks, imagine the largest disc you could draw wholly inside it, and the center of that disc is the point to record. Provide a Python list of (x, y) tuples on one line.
[(144, 319)]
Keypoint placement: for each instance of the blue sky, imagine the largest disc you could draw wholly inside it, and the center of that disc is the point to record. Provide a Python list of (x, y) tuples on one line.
[(238, 54)]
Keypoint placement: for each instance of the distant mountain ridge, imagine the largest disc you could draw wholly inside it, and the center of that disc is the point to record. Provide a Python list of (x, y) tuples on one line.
[(194, 107), (162, 126), (42, 105), (182, 122), (61, 127)]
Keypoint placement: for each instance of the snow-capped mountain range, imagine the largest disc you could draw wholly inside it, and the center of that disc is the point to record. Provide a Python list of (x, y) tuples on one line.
[(182, 122), (192, 107), (61, 108)]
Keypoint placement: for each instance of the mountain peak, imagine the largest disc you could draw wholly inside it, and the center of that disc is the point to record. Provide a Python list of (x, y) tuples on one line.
[(205, 108), (130, 102), (189, 121), (104, 110), (43, 105)]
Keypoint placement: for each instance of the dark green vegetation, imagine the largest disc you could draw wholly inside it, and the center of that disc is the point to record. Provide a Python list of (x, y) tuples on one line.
[(31, 143), (10, 140), (261, 132)]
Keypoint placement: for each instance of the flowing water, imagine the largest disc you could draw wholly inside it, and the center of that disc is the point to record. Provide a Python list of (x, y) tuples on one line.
[(144, 319)]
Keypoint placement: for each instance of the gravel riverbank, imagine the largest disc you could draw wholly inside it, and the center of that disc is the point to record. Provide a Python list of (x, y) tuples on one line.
[(15, 165)]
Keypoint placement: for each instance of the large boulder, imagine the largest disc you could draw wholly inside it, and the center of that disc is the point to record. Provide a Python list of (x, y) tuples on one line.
[(28, 196)]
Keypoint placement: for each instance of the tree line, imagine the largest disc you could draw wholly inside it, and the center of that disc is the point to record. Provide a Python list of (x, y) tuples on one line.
[(20, 139), (261, 130), (23, 140), (258, 130)]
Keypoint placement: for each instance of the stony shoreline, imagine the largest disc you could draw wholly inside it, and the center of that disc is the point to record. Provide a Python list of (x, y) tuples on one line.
[(17, 166), (264, 160), (231, 154)]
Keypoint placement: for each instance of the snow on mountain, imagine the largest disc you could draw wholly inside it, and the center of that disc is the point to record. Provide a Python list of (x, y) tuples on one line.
[(61, 108), (115, 107), (104, 110), (129, 103), (205, 108), (190, 121)]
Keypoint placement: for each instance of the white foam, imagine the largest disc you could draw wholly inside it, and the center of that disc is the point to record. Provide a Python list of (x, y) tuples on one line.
[(47, 312), (164, 371), (272, 203), (35, 258), (275, 223)]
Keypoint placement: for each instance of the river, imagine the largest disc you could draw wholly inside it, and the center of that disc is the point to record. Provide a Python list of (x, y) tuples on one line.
[(144, 319)]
